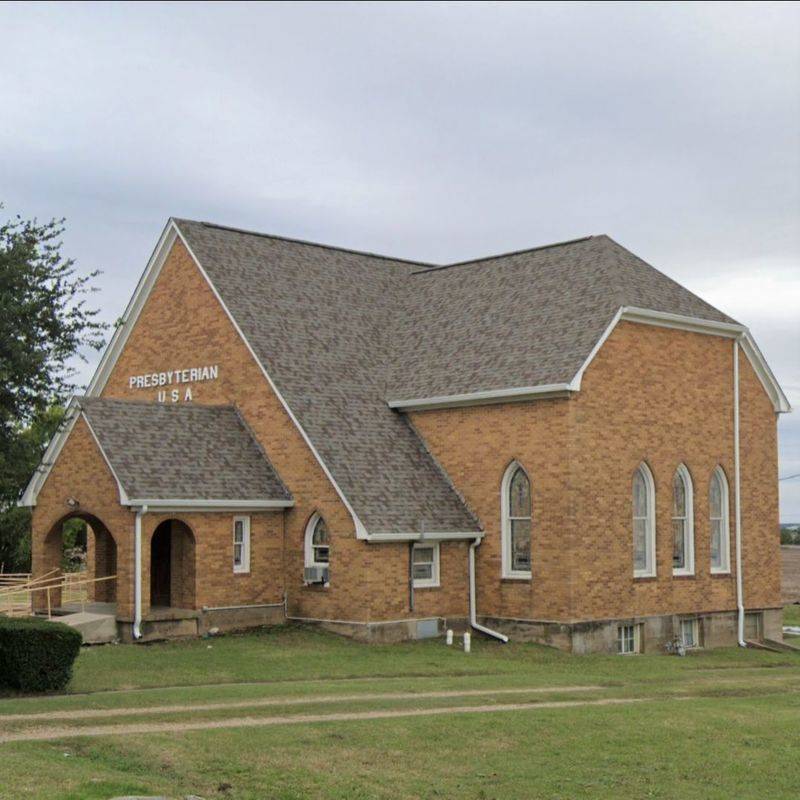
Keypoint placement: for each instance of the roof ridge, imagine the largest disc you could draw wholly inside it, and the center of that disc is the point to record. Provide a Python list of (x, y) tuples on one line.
[(621, 287), (307, 242), (506, 255)]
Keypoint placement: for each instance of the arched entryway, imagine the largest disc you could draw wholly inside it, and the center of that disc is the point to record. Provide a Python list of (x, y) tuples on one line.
[(172, 568), (79, 550)]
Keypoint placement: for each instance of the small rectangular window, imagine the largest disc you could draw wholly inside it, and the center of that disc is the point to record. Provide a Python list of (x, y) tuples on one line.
[(690, 633), (425, 565), (241, 544), (628, 639)]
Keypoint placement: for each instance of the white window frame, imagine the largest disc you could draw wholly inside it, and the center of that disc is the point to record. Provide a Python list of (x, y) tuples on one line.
[(505, 524), (649, 570), (688, 521), (433, 581), (310, 560), (725, 528), (695, 626), (637, 639), (244, 566)]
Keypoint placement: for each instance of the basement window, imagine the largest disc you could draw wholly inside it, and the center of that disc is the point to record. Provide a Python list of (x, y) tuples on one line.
[(241, 544), (690, 633), (629, 639), (425, 565)]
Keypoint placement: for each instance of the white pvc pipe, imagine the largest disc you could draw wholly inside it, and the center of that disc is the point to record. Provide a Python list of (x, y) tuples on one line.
[(737, 497), (473, 614), (137, 573)]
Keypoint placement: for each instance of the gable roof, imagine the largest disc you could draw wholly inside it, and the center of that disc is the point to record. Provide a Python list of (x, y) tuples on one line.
[(521, 320), (344, 337), (182, 454)]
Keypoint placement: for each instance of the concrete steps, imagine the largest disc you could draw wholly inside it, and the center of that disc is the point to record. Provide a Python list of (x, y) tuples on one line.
[(94, 628)]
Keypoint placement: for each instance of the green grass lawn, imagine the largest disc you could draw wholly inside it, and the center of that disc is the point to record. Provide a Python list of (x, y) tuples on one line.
[(791, 615), (715, 724)]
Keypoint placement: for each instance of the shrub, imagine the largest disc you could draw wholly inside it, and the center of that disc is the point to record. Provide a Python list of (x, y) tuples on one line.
[(36, 655)]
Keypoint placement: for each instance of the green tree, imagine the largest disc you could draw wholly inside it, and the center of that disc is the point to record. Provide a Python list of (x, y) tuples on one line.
[(44, 326)]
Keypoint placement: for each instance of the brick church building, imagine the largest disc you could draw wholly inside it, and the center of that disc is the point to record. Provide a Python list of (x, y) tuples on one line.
[(559, 445)]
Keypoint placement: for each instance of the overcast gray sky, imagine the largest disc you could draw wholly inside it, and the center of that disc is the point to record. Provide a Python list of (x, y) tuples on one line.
[(432, 131)]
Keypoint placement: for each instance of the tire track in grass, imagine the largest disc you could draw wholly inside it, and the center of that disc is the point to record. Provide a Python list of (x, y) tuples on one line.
[(47, 734), (92, 713)]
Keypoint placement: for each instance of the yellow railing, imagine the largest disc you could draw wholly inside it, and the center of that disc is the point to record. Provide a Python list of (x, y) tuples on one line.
[(18, 600)]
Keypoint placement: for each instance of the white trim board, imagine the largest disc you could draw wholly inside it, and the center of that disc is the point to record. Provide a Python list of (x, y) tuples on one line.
[(109, 359), (51, 455), (624, 313)]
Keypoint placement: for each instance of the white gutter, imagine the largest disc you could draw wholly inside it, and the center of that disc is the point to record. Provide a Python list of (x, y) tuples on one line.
[(514, 394), (737, 495), (137, 572), (187, 504), (433, 536), (473, 614)]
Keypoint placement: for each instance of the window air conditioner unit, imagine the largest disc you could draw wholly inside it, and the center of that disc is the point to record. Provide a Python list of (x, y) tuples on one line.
[(315, 575)]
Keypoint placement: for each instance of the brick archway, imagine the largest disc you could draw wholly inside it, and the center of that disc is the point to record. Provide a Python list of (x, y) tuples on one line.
[(101, 560), (172, 565)]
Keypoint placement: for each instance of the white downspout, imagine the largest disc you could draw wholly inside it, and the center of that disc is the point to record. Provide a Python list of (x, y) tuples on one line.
[(137, 572), (473, 616), (737, 496)]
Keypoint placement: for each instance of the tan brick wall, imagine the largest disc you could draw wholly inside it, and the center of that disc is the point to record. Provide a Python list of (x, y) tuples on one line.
[(81, 472), (212, 582), (651, 394), (475, 445), (654, 394), (183, 325), (665, 397)]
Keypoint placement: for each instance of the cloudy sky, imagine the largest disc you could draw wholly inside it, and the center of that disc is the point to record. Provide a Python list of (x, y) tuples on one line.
[(437, 131)]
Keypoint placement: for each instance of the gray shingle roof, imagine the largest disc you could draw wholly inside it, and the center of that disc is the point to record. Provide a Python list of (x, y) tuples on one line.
[(524, 319), (182, 451), (341, 332)]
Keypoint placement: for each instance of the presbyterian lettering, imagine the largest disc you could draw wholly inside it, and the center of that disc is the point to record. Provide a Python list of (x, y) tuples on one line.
[(170, 377)]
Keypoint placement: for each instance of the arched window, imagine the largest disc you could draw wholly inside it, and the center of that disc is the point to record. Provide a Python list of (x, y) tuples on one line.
[(318, 544), (720, 529), (682, 522), (516, 523), (644, 523)]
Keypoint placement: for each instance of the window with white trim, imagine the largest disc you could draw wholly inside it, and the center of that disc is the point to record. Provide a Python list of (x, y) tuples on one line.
[(516, 520), (629, 639), (318, 543), (682, 522), (690, 633), (425, 564), (720, 528), (644, 523), (241, 544)]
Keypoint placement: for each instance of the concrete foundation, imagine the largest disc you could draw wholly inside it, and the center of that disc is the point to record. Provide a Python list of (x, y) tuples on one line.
[(715, 629)]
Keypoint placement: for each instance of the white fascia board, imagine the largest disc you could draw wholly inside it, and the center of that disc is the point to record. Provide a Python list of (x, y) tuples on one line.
[(644, 316), (427, 536), (361, 531), (575, 383), (133, 309), (516, 394), (123, 496), (685, 323), (50, 456), (728, 330), (188, 504), (765, 374)]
